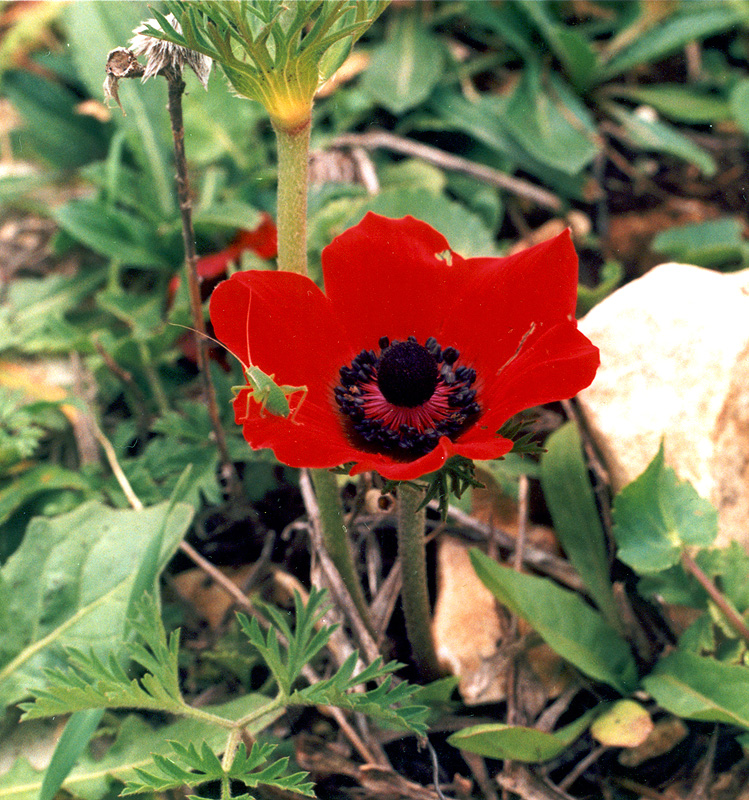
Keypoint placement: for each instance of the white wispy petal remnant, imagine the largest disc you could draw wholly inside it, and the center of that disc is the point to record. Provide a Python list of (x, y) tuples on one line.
[(161, 55)]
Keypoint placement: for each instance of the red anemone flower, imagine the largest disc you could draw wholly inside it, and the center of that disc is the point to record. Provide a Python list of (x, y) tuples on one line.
[(412, 355)]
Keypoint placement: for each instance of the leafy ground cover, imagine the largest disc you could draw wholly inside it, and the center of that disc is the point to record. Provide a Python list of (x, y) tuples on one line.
[(499, 124)]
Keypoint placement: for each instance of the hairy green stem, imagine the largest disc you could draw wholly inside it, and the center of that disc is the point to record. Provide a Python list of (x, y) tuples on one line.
[(335, 538), (293, 158), (412, 552), (293, 180)]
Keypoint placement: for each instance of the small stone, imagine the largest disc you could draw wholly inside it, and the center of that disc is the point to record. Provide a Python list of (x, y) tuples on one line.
[(675, 365)]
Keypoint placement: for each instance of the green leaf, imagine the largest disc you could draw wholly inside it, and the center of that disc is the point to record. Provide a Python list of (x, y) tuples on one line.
[(568, 44), (134, 747), (541, 123), (739, 101), (679, 103), (612, 274), (112, 232), (517, 742), (41, 478), (564, 621), (569, 496), (53, 129), (69, 582), (464, 230), (660, 137), (695, 687), (405, 67), (696, 21), (706, 244), (656, 515), (93, 30), (75, 737)]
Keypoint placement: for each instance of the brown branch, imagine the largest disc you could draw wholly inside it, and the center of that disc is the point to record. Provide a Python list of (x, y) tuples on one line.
[(399, 144)]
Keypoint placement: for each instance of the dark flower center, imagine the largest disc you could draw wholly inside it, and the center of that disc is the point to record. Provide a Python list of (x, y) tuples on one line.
[(403, 398), (407, 374)]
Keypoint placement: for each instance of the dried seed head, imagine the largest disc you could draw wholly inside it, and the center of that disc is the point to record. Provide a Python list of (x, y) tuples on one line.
[(121, 63), (162, 56)]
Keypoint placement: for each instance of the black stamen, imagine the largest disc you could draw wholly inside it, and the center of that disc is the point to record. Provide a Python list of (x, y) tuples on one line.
[(407, 375)]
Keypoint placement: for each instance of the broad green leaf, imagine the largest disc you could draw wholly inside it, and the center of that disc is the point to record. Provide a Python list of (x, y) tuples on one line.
[(541, 123), (232, 215), (656, 515), (133, 749), (706, 244), (568, 44), (696, 21), (41, 478), (94, 29), (112, 232), (740, 104), (700, 688), (465, 231), (504, 21), (52, 128), (679, 103), (518, 742), (68, 584), (660, 137), (406, 67), (569, 496), (564, 621)]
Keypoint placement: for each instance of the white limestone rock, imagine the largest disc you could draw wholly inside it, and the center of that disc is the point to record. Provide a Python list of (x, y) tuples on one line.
[(675, 365)]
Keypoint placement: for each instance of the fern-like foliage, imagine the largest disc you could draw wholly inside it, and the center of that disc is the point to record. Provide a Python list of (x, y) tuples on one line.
[(304, 642), (190, 766), (95, 682), (386, 704)]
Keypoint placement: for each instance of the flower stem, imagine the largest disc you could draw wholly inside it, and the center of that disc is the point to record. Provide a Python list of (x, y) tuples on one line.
[(412, 552), (335, 538), (293, 158), (176, 88)]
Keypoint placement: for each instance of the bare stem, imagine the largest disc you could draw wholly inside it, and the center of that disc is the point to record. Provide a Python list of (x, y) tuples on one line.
[(412, 552), (732, 616), (176, 89)]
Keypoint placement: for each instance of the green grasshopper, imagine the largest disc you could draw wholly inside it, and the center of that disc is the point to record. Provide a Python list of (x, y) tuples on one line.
[(262, 387), (268, 394)]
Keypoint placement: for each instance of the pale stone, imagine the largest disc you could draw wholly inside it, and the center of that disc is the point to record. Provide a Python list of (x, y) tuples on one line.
[(675, 365)]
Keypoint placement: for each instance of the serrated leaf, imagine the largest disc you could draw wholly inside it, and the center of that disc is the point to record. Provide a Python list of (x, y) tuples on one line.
[(564, 621), (405, 67), (68, 585), (695, 687), (567, 490), (656, 515), (518, 742)]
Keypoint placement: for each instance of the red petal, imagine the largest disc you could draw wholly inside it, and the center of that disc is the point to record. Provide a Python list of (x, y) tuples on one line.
[(384, 279), (556, 367), (215, 265), (283, 324), (262, 240), (513, 300)]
